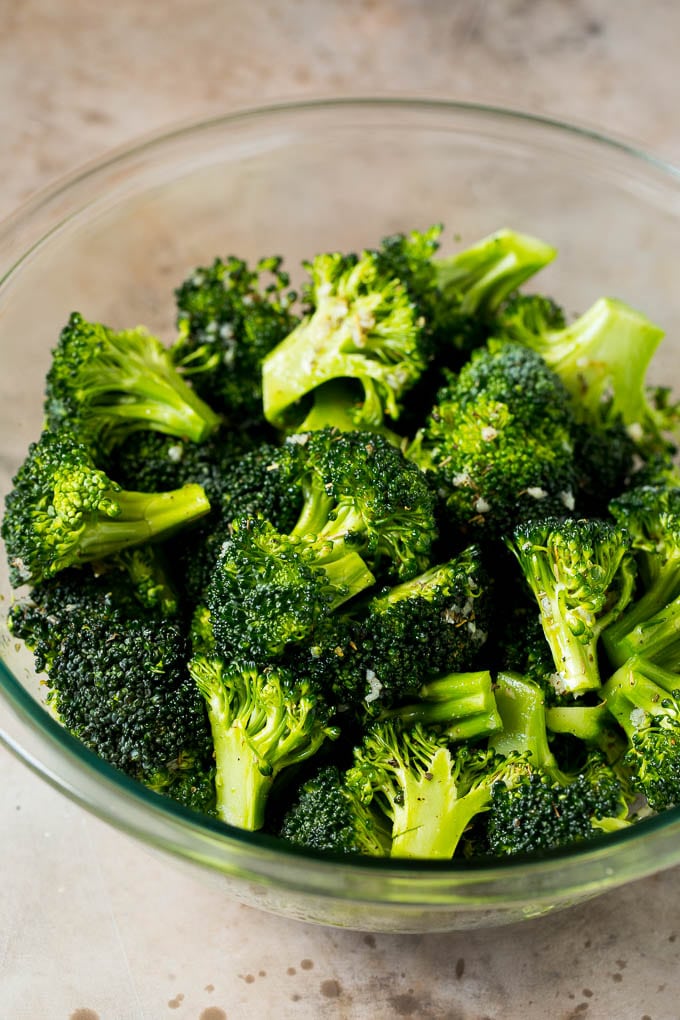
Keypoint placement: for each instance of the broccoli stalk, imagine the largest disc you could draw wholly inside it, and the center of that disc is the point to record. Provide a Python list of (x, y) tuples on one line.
[(645, 700), (580, 575), (262, 723), (63, 511), (602, 358), (461, 705), (109, 384), (479, 278)]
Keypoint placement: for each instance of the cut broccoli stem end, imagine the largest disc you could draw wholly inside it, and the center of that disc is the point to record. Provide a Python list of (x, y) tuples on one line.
[(521, 705), (461, 704)]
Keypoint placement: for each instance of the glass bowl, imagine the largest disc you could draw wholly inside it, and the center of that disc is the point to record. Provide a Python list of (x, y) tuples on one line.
[(114, 240)]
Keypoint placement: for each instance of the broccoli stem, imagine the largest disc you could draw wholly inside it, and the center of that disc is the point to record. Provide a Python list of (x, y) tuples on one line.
[(348, 576), (521, 705), (242, 788), (141, 516), (156, 398), (484, 274), (587, 722), (463, 702), (651, 623), (574, 653)]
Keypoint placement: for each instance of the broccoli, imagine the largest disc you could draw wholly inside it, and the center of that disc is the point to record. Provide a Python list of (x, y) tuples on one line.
[(580, 574), (538, 812), (107, 384), (362, 325), (268, 589), (365, 508), (650, 626), (116, 675), (534, 804), (329, 814), (479, 278), (645, 700), (432, 624), (229, 318), (602, 358), (64, 511), (498, 441), (462, 706), (262, 722)]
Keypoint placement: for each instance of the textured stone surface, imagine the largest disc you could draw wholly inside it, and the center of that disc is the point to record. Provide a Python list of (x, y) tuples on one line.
[(87, 926)]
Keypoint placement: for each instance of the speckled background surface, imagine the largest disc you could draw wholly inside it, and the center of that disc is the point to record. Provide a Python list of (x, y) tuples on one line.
[(87, 929)]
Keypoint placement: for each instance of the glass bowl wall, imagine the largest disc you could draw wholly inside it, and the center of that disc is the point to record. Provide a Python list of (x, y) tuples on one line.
[(114, 241)]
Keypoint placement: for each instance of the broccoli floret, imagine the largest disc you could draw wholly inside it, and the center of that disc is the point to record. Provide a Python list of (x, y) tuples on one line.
[(645, 700), (362, 325), (64, 511), (328, 814), (433, 624), (107, 384), (229, 318), (428, 793), (538, 812), (120, 684), (268, 590), (262, 722), (499, 441), (580, 574), (365, 509), (602, 358), (535, 805), (650, 626)]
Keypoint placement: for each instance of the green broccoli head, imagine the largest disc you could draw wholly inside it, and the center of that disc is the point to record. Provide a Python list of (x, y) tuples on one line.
[(645, 700), (499, 441), (229, 318), (120, 684), (579, 572), (428, 793), (64, 511), (269, 589), (328, 814), (535, 811), (360, 490), (108, 384), (433, 624)]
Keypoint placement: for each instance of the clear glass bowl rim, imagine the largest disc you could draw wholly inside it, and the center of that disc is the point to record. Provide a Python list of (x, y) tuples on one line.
[(641, 850)]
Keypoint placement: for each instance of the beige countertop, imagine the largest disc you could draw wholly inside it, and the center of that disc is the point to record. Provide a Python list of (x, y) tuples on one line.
[(88, 929)]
